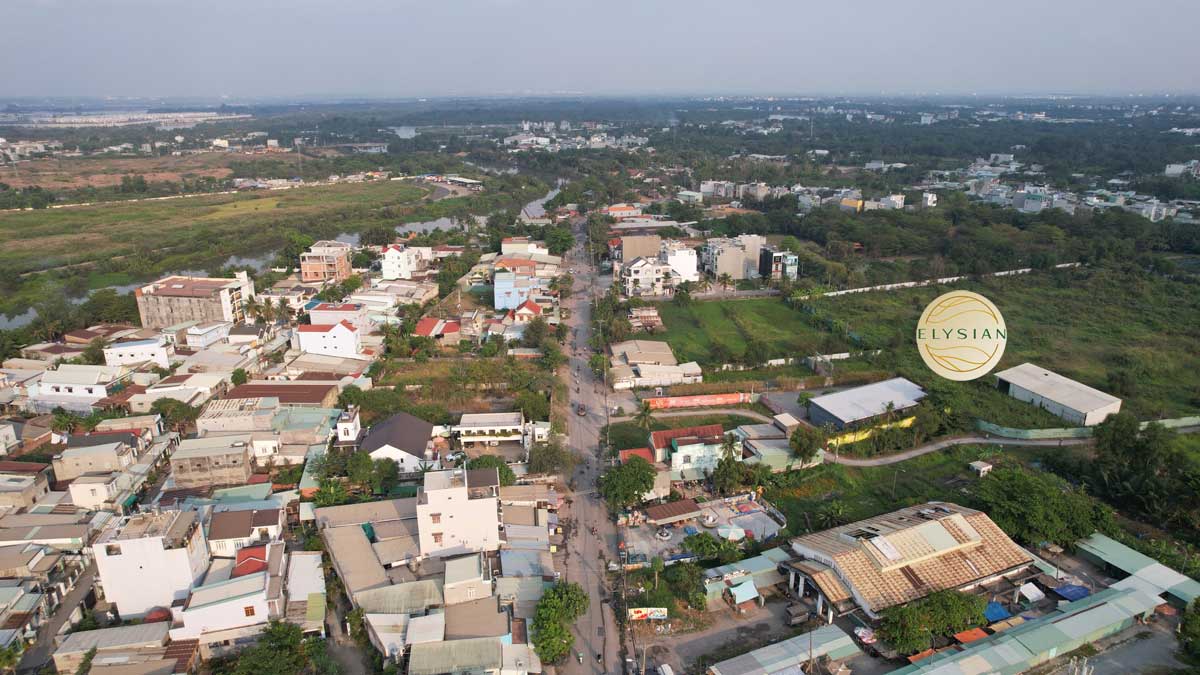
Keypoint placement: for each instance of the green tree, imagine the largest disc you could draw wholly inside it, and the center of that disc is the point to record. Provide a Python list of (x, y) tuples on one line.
[(911, 628), (507, 477), (729, 474), (360, 468), (806, 442), (176, 414), (533, 404), (627, 484), (239, 377), (537, 331), (93, 354), (644, 417), (1034, 507), (1189, 632), (656, 566), (85, 664), (384, 475), (550, 457), (331, 492), (560, 606)]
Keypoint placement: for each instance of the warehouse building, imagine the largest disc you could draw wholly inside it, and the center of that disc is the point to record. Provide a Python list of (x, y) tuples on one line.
[(1073, 401), (862, 405)]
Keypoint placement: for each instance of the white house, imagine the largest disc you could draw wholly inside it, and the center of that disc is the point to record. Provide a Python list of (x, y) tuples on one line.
[(645, 276), (681, 259), (229, 531), (150, 560), (490, 429), (329, 313), (204, 335), (133, 352), (112, 491), (406, 439), (459, 512), (403, 262), (522, 245), (338, 339), (76, 388)]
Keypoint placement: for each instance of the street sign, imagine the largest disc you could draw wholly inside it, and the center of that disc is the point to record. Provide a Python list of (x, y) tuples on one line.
[(644, 613)]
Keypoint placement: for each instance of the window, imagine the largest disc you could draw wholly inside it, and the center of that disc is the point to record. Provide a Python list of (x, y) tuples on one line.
[(112, 549), (437, 537), (249, 611), (436, 518)]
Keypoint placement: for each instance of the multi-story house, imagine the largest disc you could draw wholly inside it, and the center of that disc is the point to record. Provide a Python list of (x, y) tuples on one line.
[(150, 560), (100, 458), (176, 299), (134, 352), (776, 263), (22, 484), (231, 531), (458, 512), (737, 256), (682, 260), (326, 261), (74, 388), (405, 262), (214, 460), (339, 339), (329, 313), (644, 277)]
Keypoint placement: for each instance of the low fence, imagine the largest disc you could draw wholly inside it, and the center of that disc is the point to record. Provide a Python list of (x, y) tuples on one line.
[(1071, 432)]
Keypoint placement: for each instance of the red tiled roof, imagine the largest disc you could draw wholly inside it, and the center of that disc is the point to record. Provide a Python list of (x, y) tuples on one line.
[(644, 453), (250, 559), (531, 306), (324, 327), (286, 393), (662, 439), (426, 326), (257, 478)]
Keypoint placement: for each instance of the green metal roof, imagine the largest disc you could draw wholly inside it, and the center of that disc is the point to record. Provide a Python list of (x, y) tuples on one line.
[(1146, 573), (242, 493), (315, 610)]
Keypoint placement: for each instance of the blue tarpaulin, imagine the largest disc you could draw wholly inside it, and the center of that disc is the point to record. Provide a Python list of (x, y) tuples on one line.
[(995, 612), (690, 530), (1072, 592)]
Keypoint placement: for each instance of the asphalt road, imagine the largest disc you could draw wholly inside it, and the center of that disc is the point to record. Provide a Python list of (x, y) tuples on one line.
[(596, 632)]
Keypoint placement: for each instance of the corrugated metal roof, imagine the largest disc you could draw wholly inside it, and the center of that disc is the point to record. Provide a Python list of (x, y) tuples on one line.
[(120, 636), (1055, 387), (791, 653), (435, 658), (406, 598)]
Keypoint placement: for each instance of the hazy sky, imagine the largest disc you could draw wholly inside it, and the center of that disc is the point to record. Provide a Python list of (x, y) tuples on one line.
[(398, 48)]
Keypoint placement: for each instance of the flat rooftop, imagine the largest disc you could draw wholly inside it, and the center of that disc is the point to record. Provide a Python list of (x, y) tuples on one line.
[(172, 525), (188, 287)]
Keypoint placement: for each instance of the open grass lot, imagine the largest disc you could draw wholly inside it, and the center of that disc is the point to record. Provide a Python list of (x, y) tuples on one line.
[(48, 238), (1100, 326), (701, 331), (625, 435), (863, 492), (81, 172)]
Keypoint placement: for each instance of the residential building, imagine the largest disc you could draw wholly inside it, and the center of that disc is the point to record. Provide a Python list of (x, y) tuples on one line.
[(634, 246), (522, 245), (204, 334), (326, 261), (458, 512), (1073, 401), (682, 260), (231, 531), (643, 277), (690, 197), (510, 289), (300, 394), (405, 262), (74, 388), (737, 257), (338, 339), (176, 299), (621, 211), (406, 439), (102, 458), (115, 491), (691, 453), (483, 430), (467, 579), (861, 406), (22, 484), (150, 560), (226, 613), (775, 264), (446, 333), (329, 313), (214, 460), (899, 557), (136, 352)]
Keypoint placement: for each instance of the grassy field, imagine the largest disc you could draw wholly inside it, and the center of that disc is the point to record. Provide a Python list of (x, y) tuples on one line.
[(625, 435), (1085, 324), (48, 238), (696, 330), (69, 173), (863, 492)]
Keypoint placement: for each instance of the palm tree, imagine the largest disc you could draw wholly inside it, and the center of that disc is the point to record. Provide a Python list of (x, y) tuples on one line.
[(644, 418), (832, 515), (64, 422), (703, 285), (253, 308), (725, 280)]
